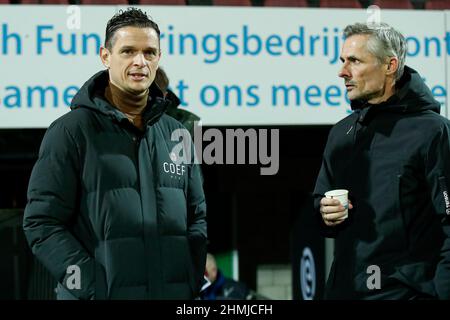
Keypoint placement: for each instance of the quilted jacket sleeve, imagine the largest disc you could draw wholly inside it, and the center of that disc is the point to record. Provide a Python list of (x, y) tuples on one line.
[(52, 205), (197, 233)]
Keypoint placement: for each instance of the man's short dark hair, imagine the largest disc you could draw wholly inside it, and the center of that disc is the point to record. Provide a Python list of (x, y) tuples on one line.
[(132, 17)]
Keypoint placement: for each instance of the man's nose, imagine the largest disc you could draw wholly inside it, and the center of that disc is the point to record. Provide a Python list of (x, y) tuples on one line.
[(139, 60), (344, 73)]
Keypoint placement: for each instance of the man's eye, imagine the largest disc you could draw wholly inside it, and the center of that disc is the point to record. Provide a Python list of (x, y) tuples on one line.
[(150, 53)]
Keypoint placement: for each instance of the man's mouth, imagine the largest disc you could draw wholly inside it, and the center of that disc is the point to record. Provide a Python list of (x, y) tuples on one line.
[(137, 76), (349, 86)]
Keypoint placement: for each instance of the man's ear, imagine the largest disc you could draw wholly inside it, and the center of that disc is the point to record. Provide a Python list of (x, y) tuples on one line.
[(105, 55), (392, 66)]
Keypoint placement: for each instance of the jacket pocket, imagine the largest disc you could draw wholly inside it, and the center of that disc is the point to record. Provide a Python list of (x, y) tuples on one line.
[(417, 276), (100, 282), (130, 293), (399, 210), (172, 213), (177, 265), (64, 294), (120, 264)]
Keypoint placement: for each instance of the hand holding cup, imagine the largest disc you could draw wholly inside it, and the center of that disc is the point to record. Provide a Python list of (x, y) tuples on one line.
[(334, 207)]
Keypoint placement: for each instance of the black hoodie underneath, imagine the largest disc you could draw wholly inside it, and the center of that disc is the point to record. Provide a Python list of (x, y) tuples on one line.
[(394, 158)]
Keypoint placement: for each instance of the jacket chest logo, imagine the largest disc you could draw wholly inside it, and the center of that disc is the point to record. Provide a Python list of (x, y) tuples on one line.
[(174, 169)]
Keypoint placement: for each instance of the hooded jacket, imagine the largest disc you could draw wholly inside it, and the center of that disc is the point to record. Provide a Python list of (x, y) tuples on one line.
[(394, 158), (110, 204)]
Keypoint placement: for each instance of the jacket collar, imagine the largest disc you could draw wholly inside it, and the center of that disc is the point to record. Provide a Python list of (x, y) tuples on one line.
[(92, 96)]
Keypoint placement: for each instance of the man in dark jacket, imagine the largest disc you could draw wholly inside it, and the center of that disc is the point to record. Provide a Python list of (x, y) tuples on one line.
[(392, 153), (188, 119), (111, 212)]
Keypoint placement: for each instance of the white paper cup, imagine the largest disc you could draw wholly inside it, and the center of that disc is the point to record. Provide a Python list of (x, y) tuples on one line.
[(341, 195)]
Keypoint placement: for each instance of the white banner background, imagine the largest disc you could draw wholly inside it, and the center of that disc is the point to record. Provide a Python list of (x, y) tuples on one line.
[(299, 50)]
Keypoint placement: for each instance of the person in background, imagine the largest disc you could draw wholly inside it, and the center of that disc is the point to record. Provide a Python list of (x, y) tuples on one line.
[(188, 119), (221, 287)]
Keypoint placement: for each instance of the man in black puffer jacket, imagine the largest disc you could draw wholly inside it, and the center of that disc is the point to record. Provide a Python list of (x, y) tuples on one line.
[(393, 155), (112, 211)]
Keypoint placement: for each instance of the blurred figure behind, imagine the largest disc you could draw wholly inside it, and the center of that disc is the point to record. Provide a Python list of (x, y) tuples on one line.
[(186, 118), (222, 288)]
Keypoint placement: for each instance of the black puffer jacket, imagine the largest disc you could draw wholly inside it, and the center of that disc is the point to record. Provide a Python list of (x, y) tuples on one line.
[(394, 158), (109, 199)]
